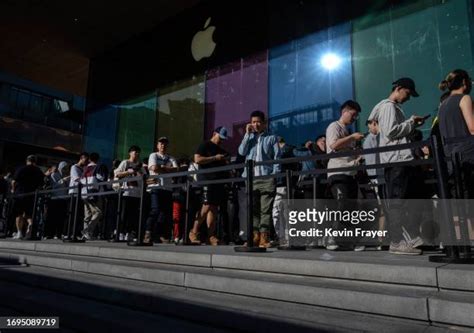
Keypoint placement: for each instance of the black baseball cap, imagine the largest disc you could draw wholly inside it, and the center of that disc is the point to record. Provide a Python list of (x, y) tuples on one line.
[(406, 82), (163, 139)]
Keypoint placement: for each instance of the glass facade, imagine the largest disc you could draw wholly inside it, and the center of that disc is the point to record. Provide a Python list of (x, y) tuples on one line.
[(300, 84), (136, 125), (24, 104), (180, 115), (424, 40), (232, 92)]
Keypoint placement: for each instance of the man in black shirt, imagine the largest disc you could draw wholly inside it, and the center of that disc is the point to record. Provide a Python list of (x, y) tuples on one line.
[(27, 179), (210, 155)]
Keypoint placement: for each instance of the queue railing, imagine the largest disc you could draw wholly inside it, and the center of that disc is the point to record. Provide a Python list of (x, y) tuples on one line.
[(437, 162)]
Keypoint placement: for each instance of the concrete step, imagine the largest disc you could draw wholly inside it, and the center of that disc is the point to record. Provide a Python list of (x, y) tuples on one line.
[(403, 301), (208, 307), (82, 315), (367, 266)]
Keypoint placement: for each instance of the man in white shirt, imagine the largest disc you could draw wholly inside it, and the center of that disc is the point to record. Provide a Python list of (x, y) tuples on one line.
[(161, 195), (343, 184)]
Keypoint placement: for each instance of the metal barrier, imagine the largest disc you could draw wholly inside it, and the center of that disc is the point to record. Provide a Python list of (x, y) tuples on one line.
[(437, 161)]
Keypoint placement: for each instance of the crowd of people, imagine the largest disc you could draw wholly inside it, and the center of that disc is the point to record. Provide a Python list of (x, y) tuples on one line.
[(216, 208)]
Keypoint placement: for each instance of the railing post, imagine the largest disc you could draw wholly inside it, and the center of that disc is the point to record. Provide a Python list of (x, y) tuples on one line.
[(139, 241), (187, 213), (118, 216), (73, 238), (289, 198), (33, 218)]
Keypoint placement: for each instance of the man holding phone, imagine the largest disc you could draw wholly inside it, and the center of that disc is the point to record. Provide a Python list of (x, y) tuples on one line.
[(400, 181), (210, 154), (343, 184), (259, 145)]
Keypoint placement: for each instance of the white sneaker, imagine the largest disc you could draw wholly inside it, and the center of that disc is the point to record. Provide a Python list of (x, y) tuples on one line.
[(121, 237), (403, 247), (331, 244), (417, 241), (359, 248), (18, 235)]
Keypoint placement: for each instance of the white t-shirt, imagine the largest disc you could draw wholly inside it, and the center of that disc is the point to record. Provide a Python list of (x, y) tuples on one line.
[(131, 189), (334, 132), (76, 174), (164, 160)]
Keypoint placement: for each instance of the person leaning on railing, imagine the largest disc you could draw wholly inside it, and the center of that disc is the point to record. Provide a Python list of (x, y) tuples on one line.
[(456, 121)]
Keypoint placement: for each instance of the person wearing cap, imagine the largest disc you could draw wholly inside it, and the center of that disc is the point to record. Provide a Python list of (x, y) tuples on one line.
[(210, 154), (161, 195), (27, 179), (400, 181), (258, 145)]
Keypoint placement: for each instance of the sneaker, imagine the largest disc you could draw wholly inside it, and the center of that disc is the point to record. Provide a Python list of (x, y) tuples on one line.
[(176, 240), (121, 237), (164, 240), (55, 238), (18, 235), (147, 237), (194, 237), (131, 237), (359, 248), (86, 236), (213, 241), (331, 244), (403, 247), (415, 242), (29, 230)]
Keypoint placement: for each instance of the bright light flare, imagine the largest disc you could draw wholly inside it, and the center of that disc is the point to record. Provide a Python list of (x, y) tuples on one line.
[(331, 61)]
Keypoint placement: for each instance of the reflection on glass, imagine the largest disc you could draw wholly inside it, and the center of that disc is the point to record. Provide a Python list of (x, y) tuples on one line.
[(181, 116), (100, 132), (30, 106), (136, 125), (417, 41), (232, 93), (309, 79)]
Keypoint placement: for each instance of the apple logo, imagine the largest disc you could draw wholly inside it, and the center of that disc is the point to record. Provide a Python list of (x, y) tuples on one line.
[(202, 45)]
